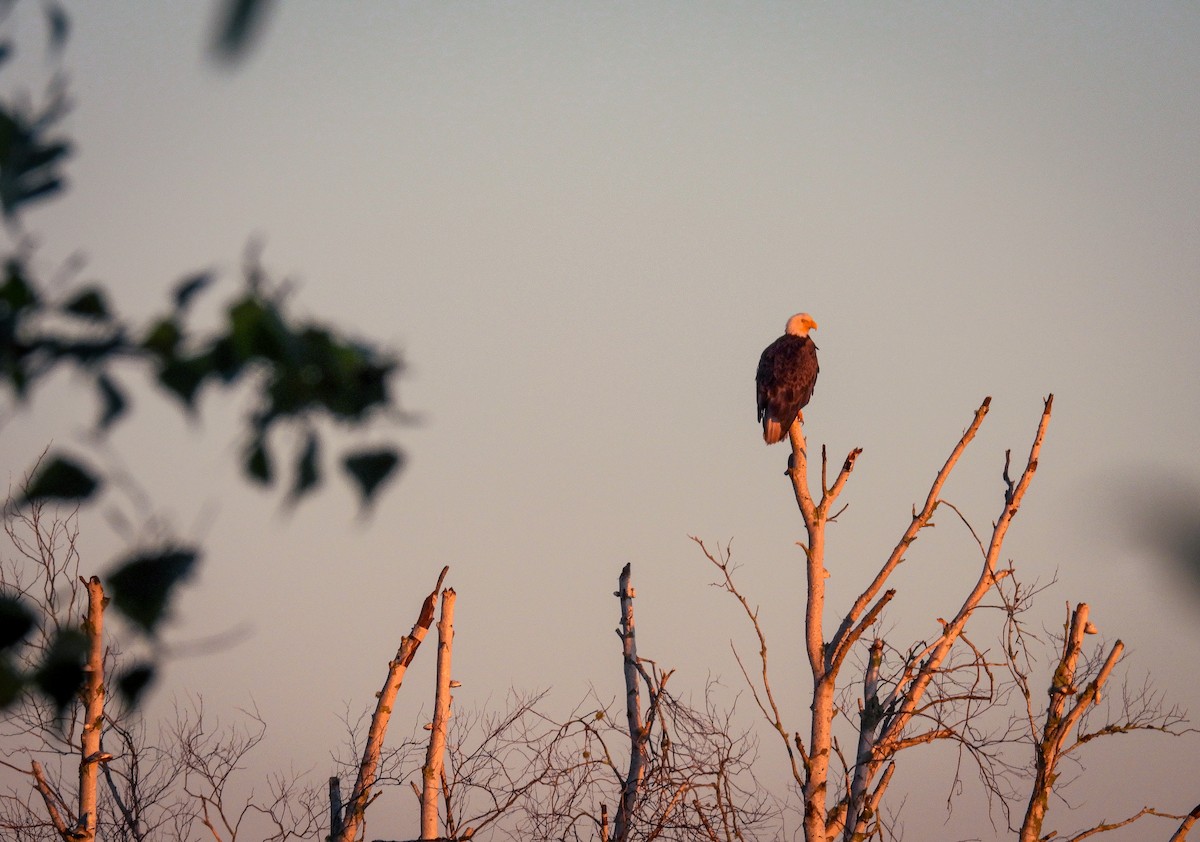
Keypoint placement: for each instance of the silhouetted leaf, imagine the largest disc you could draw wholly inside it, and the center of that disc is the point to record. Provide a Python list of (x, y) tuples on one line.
[(16, 348), (59, 25), (226, 363), (322, 370), (85, 351), (188, 287), (28, 162), (307, 470), (134, 681), (258, 461), (60, 479), (35, 186), (237, 27), (183, 377), (141, 587), (6, 51), (60, 675), (256, 330), (11, 682), (163, 338), (112, 400), (16, 294), (89, 303), (15, 621), (370, 469)]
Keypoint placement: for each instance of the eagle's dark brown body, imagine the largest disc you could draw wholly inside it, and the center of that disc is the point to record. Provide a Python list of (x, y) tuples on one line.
[(787, 373)]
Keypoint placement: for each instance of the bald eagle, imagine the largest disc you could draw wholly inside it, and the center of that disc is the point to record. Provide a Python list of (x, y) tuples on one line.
[(787, 372)]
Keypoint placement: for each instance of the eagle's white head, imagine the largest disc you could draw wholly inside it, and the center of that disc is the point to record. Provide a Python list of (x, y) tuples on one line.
[(800, 324)]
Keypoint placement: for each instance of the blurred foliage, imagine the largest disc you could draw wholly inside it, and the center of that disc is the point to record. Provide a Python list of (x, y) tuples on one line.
[(302, 374), (141, 587), (239, 23), (299, 371)]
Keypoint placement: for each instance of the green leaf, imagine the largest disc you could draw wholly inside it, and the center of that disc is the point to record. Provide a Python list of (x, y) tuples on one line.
[(134, 681), (60, 479), (141, 587), (307, 470), (113, 402), (89, 303), (184, 376), (256, 330), (371, 469), (163, 338), (187, 289), (16, 621), (61, 673)]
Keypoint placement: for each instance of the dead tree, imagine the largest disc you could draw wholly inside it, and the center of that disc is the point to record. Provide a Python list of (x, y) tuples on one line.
[(1076, 688), (886, 719), (78, 824), (47, 543), (689, 770), (935, 690), (639, 731), (1061, 719), (92, 773), (434, 771), (673, 771), (886, 716), (346, 830)]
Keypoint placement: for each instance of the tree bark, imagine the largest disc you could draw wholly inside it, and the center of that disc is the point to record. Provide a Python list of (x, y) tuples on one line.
[(633, 711), (335, 808), (92, 695), (1060, 720), (816, 760), (435, 755), (51, 799), (1181, 832)]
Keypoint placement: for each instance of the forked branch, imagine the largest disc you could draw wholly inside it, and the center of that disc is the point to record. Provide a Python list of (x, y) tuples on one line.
[(848, 634), (360, 797), (908, 698), (1068, 703)]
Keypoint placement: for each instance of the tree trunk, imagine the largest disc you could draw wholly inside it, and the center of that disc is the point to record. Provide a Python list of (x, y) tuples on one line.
[(335, 808), (92, 695), (633, 711), (816, 765), (1060, 720), (435, 756)]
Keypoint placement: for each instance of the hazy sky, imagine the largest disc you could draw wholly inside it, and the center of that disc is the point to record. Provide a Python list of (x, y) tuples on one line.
[(581, 223)]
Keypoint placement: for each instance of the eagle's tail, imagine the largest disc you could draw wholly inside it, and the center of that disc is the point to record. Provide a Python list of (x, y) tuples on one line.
[(773, 431)]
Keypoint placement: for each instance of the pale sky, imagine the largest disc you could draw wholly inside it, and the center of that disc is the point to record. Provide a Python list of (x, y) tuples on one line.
[(581, 223)]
